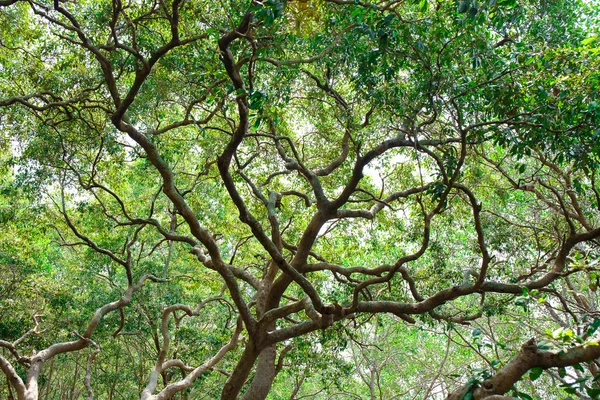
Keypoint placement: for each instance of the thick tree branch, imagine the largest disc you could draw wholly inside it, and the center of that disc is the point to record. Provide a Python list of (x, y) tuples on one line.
[(529, 357)]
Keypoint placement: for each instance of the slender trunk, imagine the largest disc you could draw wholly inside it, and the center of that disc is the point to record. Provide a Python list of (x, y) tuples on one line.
[(10, 393), (264, 376), (49, 382), (74, 385), (236, 381), (184, 394), (113, 385), (265, 368), (32, 388), (372, 384), (299, 383)]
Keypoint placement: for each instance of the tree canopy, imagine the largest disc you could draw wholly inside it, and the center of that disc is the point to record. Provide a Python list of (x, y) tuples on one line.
[(302, 199)]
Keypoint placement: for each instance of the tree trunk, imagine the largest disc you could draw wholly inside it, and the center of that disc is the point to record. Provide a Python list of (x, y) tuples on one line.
[(32, 388), (264, 377), (10, 393), (238, 377), (74, 385)]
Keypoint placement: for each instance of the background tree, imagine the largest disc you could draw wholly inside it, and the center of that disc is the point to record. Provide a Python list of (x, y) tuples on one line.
[(293, 180)]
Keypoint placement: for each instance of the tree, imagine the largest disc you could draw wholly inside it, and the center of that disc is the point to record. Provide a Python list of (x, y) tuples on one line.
[(296, 170)]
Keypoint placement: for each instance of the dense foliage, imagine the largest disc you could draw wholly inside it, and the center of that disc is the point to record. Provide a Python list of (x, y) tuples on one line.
[(326, 199)]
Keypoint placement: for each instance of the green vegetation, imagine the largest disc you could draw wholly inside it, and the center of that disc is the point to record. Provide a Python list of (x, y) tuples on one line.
[(311, 199)]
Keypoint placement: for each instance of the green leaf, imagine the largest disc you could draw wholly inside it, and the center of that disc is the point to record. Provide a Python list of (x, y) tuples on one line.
[(562, 372), (544, 345), (524, 396), (589, 40), (593, 327), (358, 14), (535, 373), (557, 333), (257, 123), (594, 393)]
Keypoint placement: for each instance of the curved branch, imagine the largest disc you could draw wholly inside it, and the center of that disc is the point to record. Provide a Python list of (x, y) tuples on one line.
[(14, 378), (529, 357), (186, 382)]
